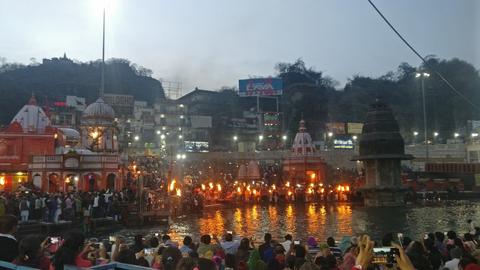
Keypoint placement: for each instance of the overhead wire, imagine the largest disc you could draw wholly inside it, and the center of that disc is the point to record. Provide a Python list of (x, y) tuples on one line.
[(429, 66)]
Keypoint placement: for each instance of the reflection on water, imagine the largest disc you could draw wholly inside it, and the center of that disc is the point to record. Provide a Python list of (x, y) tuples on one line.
[(322, 220)]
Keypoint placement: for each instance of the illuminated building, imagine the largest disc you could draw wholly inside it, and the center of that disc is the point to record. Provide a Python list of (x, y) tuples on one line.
[(304, 165)]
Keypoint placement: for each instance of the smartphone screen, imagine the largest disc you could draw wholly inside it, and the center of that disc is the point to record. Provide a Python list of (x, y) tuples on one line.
[(229, 232), (296, 242), (149, 251), (112, 239), (385, 255), (157, 234), (54, 240)]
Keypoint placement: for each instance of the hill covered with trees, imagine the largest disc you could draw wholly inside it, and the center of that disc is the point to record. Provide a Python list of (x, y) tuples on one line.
[(55, 78)]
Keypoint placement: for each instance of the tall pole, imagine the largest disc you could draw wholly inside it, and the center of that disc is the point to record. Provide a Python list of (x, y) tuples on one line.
[(425, 119), (102, 83)]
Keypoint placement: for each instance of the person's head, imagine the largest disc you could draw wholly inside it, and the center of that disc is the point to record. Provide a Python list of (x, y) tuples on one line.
[(439, 236), (288, 237), (451, 235), (165, 238), (8, 224), (458, 242), (186, 264), (206, 264), (228, 237), (28, 251), (170, 257), (138, 240), (468, 237), (206, 239), (330, 242), (387, 239), (126, 256), (244, 244), (70, 248), (415, 247), (153, 242), (429, 244), (267, 238), (300, 251), (187, 241)]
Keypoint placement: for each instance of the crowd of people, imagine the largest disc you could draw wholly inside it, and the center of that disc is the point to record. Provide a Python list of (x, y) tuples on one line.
[(56, 207), (435, 251)]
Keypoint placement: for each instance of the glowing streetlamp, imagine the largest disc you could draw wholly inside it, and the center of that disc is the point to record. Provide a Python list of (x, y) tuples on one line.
[(424, 75), (284, 137), (330, 134), (415, 133), (260, 137), (235, 138), (456, 135), (136, 138), (435, 134), (474, 135)]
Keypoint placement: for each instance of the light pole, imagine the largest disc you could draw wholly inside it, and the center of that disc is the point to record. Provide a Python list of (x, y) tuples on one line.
[(424, 75)]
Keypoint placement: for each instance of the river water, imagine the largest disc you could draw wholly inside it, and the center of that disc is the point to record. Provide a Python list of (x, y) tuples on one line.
[(321, 220)]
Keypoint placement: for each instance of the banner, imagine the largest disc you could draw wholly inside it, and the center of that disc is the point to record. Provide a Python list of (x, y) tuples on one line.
[(260, 87), (354, 128), (336, 128)]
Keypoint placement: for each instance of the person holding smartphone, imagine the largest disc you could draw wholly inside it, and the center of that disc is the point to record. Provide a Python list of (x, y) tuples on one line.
[(229, 245)]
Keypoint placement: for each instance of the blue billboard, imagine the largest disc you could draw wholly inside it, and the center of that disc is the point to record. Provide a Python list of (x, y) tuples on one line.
[(260, 87)]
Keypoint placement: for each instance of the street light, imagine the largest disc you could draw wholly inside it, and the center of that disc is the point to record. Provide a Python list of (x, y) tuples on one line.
[(354, 137), (235, 138), (162, 136), (474, 134), (435, 134), (415, 133), (136, 138), (424, 75), (260, 137), (180, 136), (330, 134), (456, 135), (284, 137), (158, 132)]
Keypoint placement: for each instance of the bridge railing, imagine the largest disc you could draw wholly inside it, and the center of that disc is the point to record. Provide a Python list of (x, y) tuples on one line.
[(109, 266)]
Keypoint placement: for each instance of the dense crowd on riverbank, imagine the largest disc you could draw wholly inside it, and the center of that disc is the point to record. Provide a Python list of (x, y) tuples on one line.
[(435, 251), (71, 206)]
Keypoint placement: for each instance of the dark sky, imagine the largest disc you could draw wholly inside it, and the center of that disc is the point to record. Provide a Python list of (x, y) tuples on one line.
[(213, 43)]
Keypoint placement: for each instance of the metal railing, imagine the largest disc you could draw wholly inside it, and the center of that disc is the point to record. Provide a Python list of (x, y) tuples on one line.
[(109, 266)]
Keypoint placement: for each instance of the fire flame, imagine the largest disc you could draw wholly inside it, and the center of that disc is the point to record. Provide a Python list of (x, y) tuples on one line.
[(172, 185)]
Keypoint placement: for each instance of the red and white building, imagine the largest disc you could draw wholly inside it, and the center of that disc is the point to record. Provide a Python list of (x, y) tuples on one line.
[(35, 154)]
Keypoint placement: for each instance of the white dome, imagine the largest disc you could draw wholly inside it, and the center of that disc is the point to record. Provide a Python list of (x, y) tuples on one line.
[(31, 117), (99, 111), (70, 134)]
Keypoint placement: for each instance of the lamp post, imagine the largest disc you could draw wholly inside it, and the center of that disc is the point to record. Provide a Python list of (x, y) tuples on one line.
[(424, 75)]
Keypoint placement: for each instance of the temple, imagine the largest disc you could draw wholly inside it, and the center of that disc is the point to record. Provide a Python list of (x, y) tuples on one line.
[(36, 155), (304, 165)]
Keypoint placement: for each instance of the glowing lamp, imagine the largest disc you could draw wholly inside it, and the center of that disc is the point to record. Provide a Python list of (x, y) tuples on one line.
[(172, 185), (219, 187), (289, 193), (313, 175), (203, 187), (179, 192), (2, 181), (210, 185), (347, 188), (239, 190)]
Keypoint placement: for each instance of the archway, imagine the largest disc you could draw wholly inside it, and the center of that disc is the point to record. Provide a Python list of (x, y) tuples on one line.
[(53, 186), (111, 181), (37, 181)]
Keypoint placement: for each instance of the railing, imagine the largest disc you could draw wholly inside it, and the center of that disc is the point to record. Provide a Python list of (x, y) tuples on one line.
[(120, 266), (109, 266), (7, 265)]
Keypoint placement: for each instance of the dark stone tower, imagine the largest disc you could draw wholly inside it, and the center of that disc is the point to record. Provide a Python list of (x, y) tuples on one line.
[(381, 148)]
